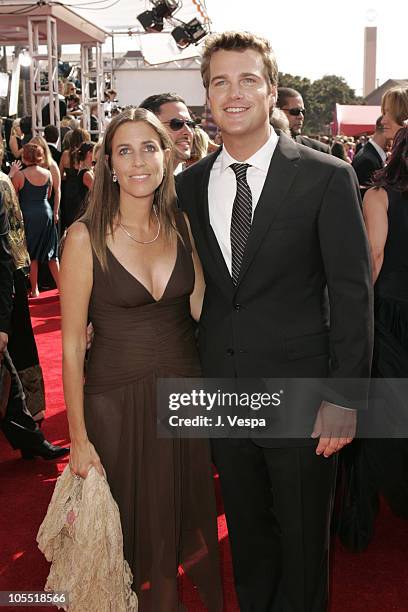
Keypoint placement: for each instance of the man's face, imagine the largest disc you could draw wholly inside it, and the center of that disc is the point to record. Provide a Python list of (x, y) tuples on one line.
[(240, 97), (293, 105), (183, 137)]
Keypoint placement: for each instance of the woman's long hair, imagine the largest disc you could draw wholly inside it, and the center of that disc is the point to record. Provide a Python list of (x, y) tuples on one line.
[(41, 142), (77, 137), (104, 198), (395, 173), (83, 151)]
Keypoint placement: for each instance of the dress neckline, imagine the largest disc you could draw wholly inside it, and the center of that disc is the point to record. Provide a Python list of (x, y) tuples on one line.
[(156, 301)]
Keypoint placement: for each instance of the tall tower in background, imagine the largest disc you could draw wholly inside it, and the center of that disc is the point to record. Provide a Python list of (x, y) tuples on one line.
[(370, 59)]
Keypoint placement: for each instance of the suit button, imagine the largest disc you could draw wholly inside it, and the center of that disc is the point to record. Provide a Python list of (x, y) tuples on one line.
[(237, 307), (230, 352)]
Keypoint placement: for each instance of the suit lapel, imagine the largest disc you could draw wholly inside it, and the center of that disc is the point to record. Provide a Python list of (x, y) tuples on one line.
[(281, 174)]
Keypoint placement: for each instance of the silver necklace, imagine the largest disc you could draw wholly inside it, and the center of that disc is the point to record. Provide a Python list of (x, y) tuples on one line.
[(144, 241)]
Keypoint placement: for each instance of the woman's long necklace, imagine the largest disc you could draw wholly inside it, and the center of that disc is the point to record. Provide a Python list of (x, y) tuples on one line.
[(144, 241)]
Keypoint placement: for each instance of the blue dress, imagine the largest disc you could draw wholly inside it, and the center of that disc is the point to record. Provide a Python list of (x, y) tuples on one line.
[(40, 229)]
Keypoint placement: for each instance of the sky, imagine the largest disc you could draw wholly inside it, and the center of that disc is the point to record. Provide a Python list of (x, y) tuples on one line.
[(310, 38)]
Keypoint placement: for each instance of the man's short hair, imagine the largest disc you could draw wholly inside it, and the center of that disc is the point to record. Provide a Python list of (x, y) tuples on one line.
[(239, 41), (378, 125), (284, 93), (51, 133), (155, 102), (26, 125)]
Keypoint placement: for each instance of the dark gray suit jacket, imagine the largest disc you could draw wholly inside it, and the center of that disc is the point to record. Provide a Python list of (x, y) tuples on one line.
[(312, 143)]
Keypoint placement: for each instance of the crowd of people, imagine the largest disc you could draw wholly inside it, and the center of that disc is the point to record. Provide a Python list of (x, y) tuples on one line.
[(261, 237)]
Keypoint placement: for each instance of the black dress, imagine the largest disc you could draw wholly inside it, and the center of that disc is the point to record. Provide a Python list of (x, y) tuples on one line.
[(163, 487), (388, 458), (378, 463), (70, 198), (83, 190)]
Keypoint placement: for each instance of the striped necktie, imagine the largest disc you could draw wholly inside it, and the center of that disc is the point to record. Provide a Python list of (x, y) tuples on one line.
[(241, 219)]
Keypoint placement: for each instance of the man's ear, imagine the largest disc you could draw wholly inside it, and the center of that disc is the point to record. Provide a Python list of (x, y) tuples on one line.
[(273, 96)]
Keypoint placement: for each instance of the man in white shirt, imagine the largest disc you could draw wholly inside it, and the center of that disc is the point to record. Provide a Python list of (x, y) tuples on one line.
[(278, 229), (371, 157), (175, 116)]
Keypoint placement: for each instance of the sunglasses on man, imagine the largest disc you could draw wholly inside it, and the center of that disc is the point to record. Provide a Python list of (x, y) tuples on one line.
[(295, 112), (177, 124)]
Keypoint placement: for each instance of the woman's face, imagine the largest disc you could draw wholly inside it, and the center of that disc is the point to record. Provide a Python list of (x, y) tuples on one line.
[(70, 89), (391, 127), (138, 159)]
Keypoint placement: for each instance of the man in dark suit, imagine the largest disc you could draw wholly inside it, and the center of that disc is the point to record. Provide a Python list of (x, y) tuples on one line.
[(371, 157), (46, 113), (275, 225), (51, 135), (291, 102)]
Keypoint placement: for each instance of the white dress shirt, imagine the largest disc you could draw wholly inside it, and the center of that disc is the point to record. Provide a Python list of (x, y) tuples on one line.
[(222, 188)]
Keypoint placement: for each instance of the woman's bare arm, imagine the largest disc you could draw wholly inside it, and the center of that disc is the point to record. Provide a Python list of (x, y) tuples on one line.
[(88, 180), (56, 183), (75, 289), (197, 296), (16, 151), (375, 207), (64, 161)]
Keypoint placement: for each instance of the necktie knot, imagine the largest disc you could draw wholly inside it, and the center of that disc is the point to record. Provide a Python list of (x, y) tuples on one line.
[(240, 171)]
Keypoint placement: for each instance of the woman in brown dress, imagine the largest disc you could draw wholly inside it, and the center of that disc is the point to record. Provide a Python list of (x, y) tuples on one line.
[(131, 268)]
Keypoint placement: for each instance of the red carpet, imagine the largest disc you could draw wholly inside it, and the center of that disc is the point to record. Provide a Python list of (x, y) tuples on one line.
[(374, 581)]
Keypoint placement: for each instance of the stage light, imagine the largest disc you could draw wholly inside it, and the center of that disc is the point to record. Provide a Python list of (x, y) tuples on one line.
[(189, 33), (153, 21)]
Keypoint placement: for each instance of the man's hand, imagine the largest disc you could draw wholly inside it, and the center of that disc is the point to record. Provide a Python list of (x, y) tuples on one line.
[(89, 336), (335, 426), (3, 344)]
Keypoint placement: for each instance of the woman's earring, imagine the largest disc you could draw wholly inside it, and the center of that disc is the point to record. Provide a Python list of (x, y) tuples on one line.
[(114, 177)]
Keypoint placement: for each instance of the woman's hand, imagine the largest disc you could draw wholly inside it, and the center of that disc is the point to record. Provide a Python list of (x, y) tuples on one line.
[(14, 168), (82, 457), (56, 217)]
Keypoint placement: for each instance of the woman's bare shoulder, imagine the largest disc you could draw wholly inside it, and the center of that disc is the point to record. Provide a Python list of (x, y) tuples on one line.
[(78, 234), (375, 195)]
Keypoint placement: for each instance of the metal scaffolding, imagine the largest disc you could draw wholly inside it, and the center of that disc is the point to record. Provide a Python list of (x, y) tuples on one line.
[(93, 86), (45, 25), (41, 95)]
